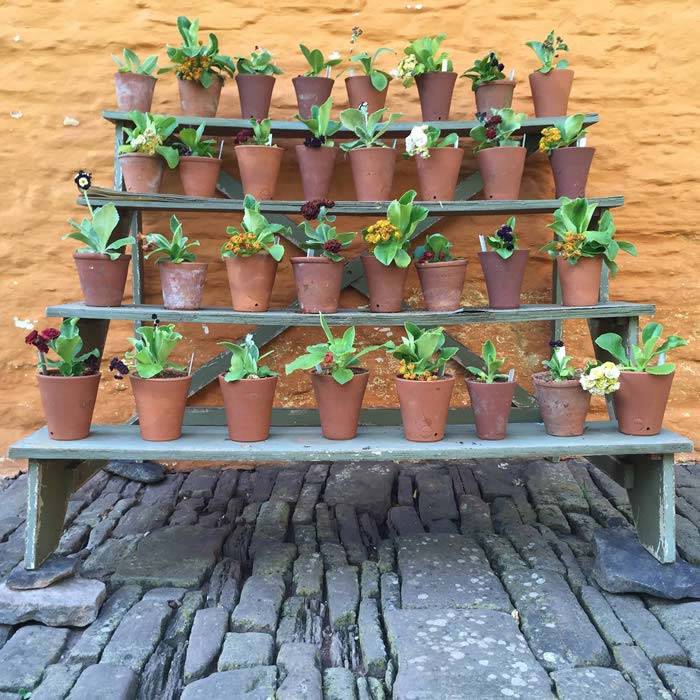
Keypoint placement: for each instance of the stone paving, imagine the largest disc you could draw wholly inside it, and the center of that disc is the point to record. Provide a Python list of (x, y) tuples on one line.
[(345, 581)]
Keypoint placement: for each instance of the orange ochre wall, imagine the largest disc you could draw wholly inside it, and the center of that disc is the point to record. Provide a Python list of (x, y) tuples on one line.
[(635, 63)]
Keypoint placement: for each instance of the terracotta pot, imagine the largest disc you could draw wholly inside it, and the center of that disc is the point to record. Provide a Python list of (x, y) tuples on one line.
[(504, 278), (250, 280), (339, 404), (134, 91), (360, 89), (550, 92), (316, 168), (101, 279), (424, 407), (160, 406), (494, 95), (640, 402), (385, 283), (318, 281), (68, 404), (255, 93), (442, 284), (373, 172), (199, 175), (259, 167), (142, 173), (182, 284), (570, 168), (438, 174), (491, 405), (501, 170), (197, 100), (563, 405), (248, 407), (580, 283), (435, 93), (311, 90)]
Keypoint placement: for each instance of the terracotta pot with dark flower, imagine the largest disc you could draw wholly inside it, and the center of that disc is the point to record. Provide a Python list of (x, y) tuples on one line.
[(441, 276), (259, 162), (489, 85), (199, 165)]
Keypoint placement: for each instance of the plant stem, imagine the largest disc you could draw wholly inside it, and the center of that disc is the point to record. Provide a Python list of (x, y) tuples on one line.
[(42, 362)]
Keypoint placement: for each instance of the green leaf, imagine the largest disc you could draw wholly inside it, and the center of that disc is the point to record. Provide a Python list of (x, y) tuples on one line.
[(612, 343), (342, 375), (666, 368)]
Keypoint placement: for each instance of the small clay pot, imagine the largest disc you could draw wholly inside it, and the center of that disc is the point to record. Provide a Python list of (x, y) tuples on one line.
[(442, 284), (424, 407), (438, 174), (494, 95), (134, 91), (570, 167), (182, 284), (491, 405), (360, 89), (259, 167), (640, 402), (160, 406), (248, 407), (197, 100), (339, 405), (550, 92), (102, 279), (563, 405), (504, 278), (68, 404), (255, 93), (199, 175), (385, 283), (501, 170), (580, 282), (250, 280), (316, 168), (435, 92), (373, 172), (311, 90), (318, 281), (142, 173)]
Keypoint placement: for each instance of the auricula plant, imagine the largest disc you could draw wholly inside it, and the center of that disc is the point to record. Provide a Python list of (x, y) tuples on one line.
[(559, 364), (245, 361), (491, 371), (504, 241), (256, 235), (324, 239), (437, 248), (258, 63), (193, 143), (149, 135), (485, 70), (564, 133), (317, 63), (320, 124), (424, 137), (422, 353), (497, 129), (131, 63), (369, 128), (67, 345), (150, 353), (379, 78), (176, 250), (423, 56), (548, 50)]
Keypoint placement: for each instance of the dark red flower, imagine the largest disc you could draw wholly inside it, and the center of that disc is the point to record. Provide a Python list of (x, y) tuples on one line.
[(50, 333), (41, 345), (333, 246), (328, 359), (426, 257), (311, 209), (314, 141), (118, 368), (242, 136), (92, 364), (31, 337), (491, 132)]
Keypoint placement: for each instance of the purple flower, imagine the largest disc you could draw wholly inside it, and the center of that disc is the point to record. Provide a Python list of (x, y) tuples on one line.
[(333, 246), (92, 364), (314, 141), (311, 209), (50, 333), (242, 136), (556, 343)]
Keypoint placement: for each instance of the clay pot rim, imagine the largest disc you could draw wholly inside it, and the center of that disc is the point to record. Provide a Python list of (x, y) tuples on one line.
[(137, 75), (83, 377), (627, 372), (431, 72), (214, 75), (583, 257), (136, 378), (504, 81), (314, 77), (202, 159), (500, 148), (558, 70), (299, 260), (257, 145), (254, 75), (355, 370), (163, 261), (311, 148), (441, 263), (100, 256), (539, 378), (248, 379), (445, 378), (493, 252), (140, 155), (226, 258), (372, 148), (480, 383)]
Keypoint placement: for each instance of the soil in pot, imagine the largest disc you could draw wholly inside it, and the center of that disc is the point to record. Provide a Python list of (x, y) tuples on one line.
[(424, 407), (198, 101), (491, 405), (311, 90), (318, 281), (385, 283), (134, 91), (570, 167), (442, 284), (248, 407), (501, 170), (438, 174), (640, 402), (316, 168), (160, 405), (435, 93), (199, 175), (360, 89), (182, 284), (494, 95), (250, 280), (102, 279), (339, 405), (580, 282), (373, 172), (68, 404), (142, 173), (504, 278), (564, 405), (259, 167), (255, 93), (550, 92)]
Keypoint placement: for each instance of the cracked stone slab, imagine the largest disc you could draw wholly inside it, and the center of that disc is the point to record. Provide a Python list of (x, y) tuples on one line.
[(57, 681), (371, 639), (684, 682), (300, 675), (339, 684), (638, 670), (534, 549), (52, 570), (271, 524), (259, 605), (603, 616), (343, 595), (308, 575), (105, 680), (208, 630), (365, 485), (436, 499), (274, 558), (592, 682), (257, 683), (246, 650), (145, 472), (682, 621), (551, 483)]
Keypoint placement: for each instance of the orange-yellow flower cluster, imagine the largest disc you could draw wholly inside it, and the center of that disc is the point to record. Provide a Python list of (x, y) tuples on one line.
[(192, 68), (407, 371), (380, 231), (570, 245), (550, 138), (243, 244)]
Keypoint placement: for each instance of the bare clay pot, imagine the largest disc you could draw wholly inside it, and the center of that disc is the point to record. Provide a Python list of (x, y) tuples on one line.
[(494, 95), (160, 406), (318, 281), (316, 167), (68, 404), (424, 406), (255, 93), (570, 168), (386, 284), (564, 405), (199, 175), (435, 93), (580, 282), (134, 91), (501, 170), (101, 278), (373, 172), (491, 405), (250, 280), (442, 284), (640, 402), (550, 92), (248, 407), (259, 167), (198, 101), (142, 173), (360, 89), (339, 405), (438, 174), (182, 284), (310, 91), (504, 278)]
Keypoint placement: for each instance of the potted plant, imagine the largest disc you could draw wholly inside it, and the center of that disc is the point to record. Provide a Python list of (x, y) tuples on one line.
[(370, 87), (645, 379), (441, 276), (580, 251), (316, 156), (200, 70), (489, 84), (251, 256), (67, 385), (438, 161), (491, 395), (503, 266), (199, 164), (387, 260), (248, 389), (134, 81), (259, 162), (433, 75), (319, 277), (181, 278), (423, 386), (551, 82), (256, 80), (141, 157), (102, 265), (500, 157), (339, 384), (312, 88), (371, 160), (569, 158)]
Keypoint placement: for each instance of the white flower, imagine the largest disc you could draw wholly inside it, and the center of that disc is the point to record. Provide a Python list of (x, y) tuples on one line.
[(610, 370), (335, 56), (394, 72), (417, 141)]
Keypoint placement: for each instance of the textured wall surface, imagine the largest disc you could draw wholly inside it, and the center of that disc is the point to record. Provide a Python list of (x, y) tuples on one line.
[(635, 64)]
